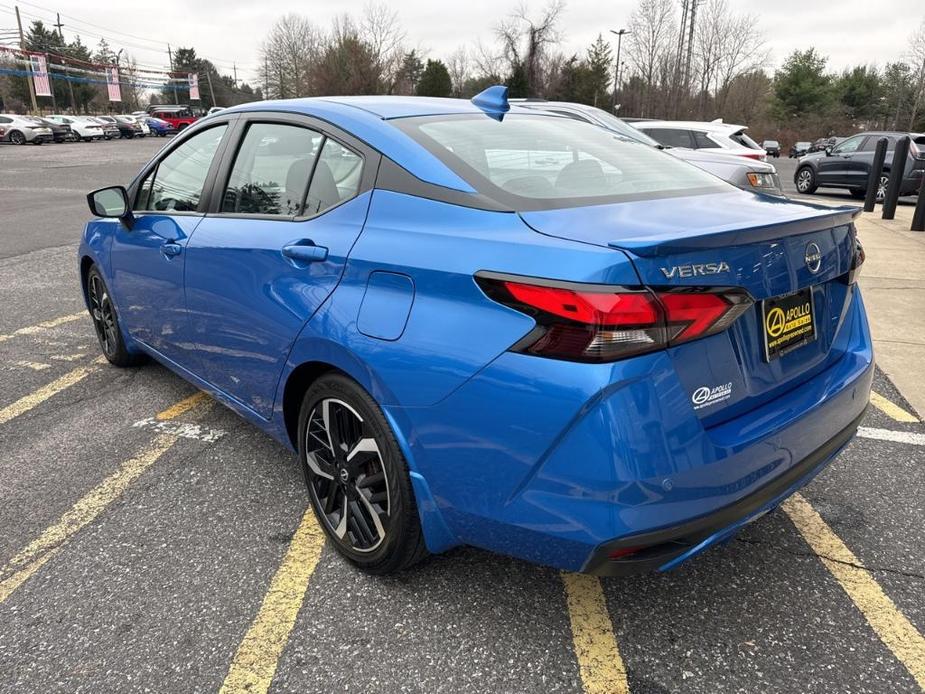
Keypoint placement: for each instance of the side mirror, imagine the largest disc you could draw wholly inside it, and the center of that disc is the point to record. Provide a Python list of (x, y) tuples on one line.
[(111, 203)]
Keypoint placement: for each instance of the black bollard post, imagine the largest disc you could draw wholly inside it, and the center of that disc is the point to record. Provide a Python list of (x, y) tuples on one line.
[(897, 171), (918, 218), (876, 171)]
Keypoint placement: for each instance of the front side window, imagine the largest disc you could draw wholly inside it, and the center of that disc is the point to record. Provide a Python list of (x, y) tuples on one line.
[(848, 146), (271, 171), (177, 182), (540, 162)]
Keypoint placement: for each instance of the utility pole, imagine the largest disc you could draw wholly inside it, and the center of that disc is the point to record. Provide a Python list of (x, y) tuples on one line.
[(173, 84), (616, 72), (60, 27), (690, 48), (22, 47), (211, 91), (235, 68)]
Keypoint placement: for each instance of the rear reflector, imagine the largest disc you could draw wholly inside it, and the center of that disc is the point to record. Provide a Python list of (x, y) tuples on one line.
[(600, 323)]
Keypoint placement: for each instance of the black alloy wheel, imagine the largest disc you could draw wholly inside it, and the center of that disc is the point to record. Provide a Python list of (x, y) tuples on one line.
[(357, 478), (17, 138), (106, 322)]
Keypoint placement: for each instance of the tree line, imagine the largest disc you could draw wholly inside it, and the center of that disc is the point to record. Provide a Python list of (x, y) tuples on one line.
[(679, 60)]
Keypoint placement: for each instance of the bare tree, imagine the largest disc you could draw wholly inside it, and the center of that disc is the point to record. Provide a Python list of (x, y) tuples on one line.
[(525, 41), (917, 57), (289, 51), (651, 45), (458, 65), (380, 28)]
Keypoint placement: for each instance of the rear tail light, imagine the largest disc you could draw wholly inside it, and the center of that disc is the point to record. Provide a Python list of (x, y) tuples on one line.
[(760, 156), (856, 262), (601, 323)]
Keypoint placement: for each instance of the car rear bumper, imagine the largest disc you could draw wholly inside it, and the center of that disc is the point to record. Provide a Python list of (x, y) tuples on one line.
[(665, 548), (560, 463)]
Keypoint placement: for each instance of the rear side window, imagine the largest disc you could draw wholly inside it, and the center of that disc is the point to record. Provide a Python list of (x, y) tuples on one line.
[(176, 184), (336, 177), (271, 170), (669, 137), (702, 141)]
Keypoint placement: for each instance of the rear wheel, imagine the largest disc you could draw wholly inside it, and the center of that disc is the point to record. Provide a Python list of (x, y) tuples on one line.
[(881, 187), (106, 322), (17, 138), (357, 477), (806, 181)]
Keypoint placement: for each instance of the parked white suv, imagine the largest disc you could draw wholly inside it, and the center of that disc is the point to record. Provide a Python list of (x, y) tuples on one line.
[(719, 137), (19, 130), (83, 127)]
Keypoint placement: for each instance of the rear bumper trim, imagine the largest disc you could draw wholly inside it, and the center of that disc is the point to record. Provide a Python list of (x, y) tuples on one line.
[(663, 545)]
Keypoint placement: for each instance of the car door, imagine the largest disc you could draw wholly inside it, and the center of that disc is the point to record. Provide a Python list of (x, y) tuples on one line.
[(838, 167), (148, 259), (294, 200)]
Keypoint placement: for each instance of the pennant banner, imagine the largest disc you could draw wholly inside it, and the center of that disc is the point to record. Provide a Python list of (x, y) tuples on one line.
[(40, 75), (112, 83), (193, 87)]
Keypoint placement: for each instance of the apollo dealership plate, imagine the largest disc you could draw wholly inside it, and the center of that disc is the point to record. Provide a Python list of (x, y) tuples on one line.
[(788, 322)]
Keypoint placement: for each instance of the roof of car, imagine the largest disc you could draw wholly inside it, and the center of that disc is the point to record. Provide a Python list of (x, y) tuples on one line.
[(691, 124), (365, 117)]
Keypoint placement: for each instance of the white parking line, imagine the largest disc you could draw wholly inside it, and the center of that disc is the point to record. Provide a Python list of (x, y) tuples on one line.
[(895, 436)]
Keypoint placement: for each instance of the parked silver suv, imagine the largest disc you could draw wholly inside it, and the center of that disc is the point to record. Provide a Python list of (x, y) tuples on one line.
[(745, 173)]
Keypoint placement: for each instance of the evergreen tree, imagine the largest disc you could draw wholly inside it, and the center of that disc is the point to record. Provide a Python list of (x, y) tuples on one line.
[(517, 83), (801, 86), (598, 72), (435, 80)]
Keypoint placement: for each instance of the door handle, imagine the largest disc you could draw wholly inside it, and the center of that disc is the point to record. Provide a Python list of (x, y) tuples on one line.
[(305, 252), (171, 249)]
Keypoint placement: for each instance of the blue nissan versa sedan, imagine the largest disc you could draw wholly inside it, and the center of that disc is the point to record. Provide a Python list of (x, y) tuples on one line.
[(483, 325)]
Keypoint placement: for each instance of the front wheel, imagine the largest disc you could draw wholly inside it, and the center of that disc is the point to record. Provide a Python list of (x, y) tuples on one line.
[(106, 322), (357, 477), (806, 181)]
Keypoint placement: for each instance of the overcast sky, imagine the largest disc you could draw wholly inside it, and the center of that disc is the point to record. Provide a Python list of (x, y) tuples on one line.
[(227, 31)]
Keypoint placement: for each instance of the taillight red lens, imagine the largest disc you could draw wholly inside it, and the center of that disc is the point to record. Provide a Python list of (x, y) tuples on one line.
[(856, 262), (595, 308), (598, 323)]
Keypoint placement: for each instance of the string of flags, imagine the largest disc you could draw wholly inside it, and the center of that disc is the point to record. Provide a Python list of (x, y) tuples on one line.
[(35, 66)]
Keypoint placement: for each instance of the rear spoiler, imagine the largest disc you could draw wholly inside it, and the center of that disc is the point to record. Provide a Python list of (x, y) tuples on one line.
[(668, 243)]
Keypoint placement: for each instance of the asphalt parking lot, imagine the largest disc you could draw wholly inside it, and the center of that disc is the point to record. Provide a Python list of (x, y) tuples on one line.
[(153, 541)]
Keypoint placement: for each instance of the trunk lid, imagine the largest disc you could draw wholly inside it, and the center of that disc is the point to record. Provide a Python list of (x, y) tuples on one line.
[(767, 246)]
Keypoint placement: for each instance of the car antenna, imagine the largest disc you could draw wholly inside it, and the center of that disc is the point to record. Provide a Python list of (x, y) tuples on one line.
[(493, 101)]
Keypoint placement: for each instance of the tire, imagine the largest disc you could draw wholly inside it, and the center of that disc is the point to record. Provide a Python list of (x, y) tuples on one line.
[(365, 505), (806, 181), (38, 142), (858, 193), (106, 322), (17, 138)]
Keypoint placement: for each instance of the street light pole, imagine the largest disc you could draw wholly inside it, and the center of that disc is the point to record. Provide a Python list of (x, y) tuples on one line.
[(616, 71)]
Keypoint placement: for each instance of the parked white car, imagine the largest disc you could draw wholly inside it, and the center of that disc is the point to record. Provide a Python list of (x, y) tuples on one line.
[(719, 137), (82, 127), (19, 130)]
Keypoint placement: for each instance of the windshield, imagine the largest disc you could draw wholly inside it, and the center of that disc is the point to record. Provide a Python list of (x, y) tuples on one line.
[(542, 162)]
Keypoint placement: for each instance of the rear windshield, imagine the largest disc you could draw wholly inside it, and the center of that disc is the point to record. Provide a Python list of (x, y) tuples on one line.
[(543, 162)]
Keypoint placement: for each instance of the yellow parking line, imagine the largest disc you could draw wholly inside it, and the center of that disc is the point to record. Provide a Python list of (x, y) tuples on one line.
[(599, 662), (26, 403), (893, 628), (32, 557), (45, 325), (890, 409), (184, 405), (256, 659)]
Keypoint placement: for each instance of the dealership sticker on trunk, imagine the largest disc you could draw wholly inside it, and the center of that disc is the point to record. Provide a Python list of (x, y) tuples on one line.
[(788, 322), (705, 396)]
